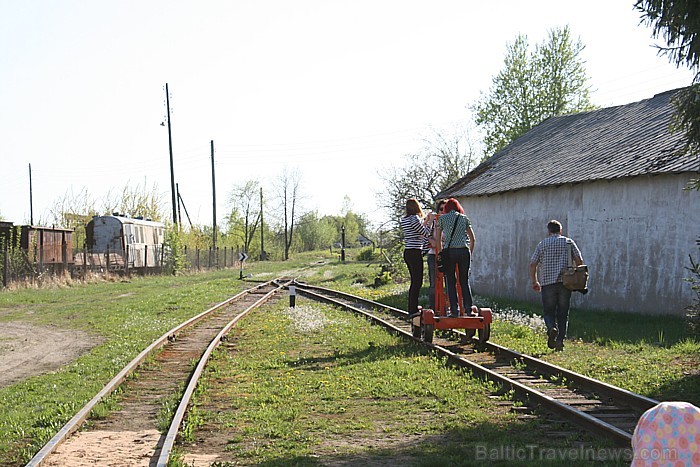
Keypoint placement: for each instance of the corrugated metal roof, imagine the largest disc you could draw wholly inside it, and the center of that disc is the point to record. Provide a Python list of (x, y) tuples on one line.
[(615, 142)]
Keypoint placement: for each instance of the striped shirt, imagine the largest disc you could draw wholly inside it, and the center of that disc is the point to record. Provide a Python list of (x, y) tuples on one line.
[(447, 223), (414, 232), (552, 257)]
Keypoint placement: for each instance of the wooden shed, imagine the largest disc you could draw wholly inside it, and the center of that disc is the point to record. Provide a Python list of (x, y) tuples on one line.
[(47, 246)]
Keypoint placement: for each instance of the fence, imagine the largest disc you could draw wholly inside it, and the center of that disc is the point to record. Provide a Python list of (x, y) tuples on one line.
[(16, 265)]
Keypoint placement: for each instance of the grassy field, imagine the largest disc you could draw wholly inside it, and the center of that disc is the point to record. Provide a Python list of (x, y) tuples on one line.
[(648, 355)]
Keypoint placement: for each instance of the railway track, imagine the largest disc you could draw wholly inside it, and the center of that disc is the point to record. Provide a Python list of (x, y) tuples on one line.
[(605, 410), (132, 435)]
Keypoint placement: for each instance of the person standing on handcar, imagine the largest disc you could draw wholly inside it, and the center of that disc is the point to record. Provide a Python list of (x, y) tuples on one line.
[(459, 245), (415, 230)]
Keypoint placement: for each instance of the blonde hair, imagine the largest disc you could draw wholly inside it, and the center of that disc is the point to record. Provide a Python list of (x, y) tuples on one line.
[(413, 208)]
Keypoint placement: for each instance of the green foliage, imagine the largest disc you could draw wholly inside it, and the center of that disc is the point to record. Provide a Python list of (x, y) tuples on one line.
[(693, 311), (444, 160), (136, 200), (367, 254), (246, 213), (18, 264), (678, 23), (174, 244), (530, 88), (316, 233)]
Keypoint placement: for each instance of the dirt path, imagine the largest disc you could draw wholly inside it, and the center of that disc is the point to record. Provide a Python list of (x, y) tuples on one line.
[(28, 350)]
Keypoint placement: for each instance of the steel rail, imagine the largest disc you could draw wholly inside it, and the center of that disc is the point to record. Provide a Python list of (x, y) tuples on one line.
[(79, 418), (171, 436), (639, 402), (620, 437)]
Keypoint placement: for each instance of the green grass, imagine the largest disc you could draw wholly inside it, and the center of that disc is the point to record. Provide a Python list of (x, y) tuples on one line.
[(124, 317), (314, 385), (649, 355), (645, 354)]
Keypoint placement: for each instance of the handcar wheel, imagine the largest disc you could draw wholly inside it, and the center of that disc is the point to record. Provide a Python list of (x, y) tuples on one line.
[(468, 336), (429, 330), (485, 333)]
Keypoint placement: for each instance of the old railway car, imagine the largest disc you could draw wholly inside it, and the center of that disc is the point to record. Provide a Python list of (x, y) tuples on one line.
[(125, 243)]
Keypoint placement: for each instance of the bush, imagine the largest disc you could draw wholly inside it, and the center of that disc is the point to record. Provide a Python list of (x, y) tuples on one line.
[(367, 254), (384, 277)]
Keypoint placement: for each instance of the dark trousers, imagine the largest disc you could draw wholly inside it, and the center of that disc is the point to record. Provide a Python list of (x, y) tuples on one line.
[(458, 258), (555, 302), (414, 261)]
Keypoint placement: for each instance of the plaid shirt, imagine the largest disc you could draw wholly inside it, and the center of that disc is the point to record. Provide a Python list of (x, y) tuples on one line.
[(552, 257)]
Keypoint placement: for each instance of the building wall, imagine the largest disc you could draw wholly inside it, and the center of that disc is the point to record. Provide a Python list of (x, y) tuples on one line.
[(635, 235)]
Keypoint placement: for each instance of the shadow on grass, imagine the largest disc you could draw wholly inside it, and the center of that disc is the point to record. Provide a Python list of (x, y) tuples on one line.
[(609, 326), (368, 354), (686, 388), (478, 444)]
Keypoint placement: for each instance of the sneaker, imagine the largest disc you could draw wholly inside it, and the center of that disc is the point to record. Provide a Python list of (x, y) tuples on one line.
[(552, 334), (559, 346)]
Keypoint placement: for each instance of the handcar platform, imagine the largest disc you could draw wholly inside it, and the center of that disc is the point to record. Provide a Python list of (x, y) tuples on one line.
[(478, 320)]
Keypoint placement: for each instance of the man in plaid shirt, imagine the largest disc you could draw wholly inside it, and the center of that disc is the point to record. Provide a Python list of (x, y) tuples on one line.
[(550, 259)]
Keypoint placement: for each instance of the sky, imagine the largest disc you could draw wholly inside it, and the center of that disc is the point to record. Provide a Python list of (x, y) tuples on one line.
[(339, 91)]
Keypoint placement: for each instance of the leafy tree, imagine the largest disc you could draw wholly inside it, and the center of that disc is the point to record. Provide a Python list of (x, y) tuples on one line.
[(72, 211), (444, 159), (532, 87), (245, 200), (288, 191), (678, 22), (136, 201), (316, 233)]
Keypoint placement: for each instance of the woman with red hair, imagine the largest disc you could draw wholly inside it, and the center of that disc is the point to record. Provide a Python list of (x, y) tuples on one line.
[(459, 244)]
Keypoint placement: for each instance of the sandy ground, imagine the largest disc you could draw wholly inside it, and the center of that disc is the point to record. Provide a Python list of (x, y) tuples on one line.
[(28, 350), (106, 448)]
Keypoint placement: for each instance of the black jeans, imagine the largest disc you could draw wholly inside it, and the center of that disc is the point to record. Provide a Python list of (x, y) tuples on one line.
[(458, 258), (414, 261)]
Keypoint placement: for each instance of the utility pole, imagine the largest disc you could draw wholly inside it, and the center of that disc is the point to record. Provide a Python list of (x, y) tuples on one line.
[(342, 244), (170, 146), (263, 255), (31, 202), (213, 195), (179, 200)]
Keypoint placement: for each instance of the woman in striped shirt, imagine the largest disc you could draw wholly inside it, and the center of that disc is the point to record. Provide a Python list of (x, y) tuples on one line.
[(459, 241), (415, 230)]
